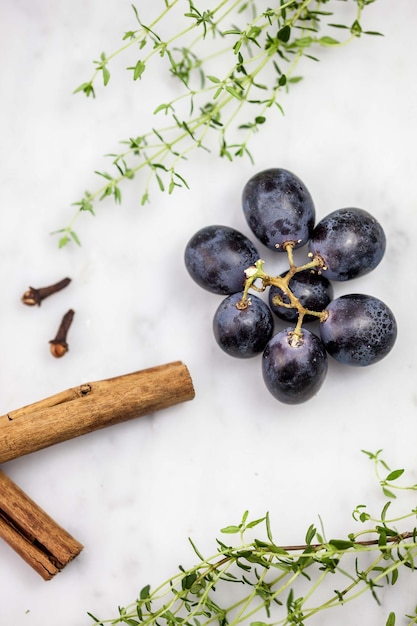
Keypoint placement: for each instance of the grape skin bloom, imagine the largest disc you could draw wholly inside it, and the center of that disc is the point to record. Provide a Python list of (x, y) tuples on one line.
[(243, 333), (278, 208), (350, 241), (294, 373), (216, 258), (360, 330)]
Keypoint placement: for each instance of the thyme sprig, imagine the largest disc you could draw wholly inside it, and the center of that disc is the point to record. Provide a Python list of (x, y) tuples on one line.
[(266, 576), (260, 52)]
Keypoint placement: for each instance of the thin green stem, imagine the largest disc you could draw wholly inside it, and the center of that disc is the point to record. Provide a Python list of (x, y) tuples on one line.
[(231, 94)]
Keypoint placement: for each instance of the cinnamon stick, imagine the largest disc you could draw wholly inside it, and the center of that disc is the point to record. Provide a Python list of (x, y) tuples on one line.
[(35, 536), (92, 406)]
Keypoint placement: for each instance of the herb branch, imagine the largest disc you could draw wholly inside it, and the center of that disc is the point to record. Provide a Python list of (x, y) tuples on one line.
[(260, 52), (266, 576)]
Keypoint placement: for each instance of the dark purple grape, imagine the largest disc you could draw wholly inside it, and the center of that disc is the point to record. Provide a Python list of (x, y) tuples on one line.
[(278, 208), (243, 333), (294, 373), (350, 241), (216, 258), (359, 330), (312, 290)]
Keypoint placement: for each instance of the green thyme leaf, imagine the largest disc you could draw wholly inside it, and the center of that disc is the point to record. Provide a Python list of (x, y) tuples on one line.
[(394, 474), (248, 41), (138, 69)]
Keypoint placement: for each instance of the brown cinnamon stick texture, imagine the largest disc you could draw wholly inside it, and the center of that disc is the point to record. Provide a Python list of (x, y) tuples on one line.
[(91, 406), (35, 536)]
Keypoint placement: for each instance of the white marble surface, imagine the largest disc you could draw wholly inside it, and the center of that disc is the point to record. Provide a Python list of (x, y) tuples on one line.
[(132, 494)]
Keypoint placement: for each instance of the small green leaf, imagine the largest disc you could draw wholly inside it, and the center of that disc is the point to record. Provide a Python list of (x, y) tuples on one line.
[(234, 92), (268, 527), (144, 592), (87, 88), (254, 558), (81, 87), (246, 568), (162, 107), (356, 29), (339, 26), (284, 33), (130, 34), (194, 547), (106, 75), (136, 14), (213, 79), (244, 554), (183, 181), (187, 128), (295, 79), (277, 550), (303, 42), (395, 474), (328, 41), (104, 175), (138, 69), (189, 580), (385, 509), (373, 32), (341, 544), (391, 619), (117, 195), (371, 455), (388, 493), (160, 182), (255, 522), (230, 530), (85, 205), (75, 238), (63, 241), (310, 534), (232, 31)]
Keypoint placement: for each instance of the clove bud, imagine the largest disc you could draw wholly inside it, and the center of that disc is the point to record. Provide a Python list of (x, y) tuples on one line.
[(59, 345), (33, 296)]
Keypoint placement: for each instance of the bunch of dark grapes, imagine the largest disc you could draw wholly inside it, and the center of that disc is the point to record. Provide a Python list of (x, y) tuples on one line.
[(355, 329)]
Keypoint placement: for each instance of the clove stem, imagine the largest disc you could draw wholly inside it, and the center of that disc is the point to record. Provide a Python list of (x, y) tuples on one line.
[(59, 345), (34, 296)]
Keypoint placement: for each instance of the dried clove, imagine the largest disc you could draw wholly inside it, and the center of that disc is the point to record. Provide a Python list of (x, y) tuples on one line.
[(33, 296), (59, 345)]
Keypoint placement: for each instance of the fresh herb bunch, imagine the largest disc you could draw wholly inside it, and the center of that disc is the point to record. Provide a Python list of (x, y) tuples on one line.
[(264, 578), (261, 49)]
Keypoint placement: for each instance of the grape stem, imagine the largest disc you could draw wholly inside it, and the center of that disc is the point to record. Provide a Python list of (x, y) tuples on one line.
[(257, 273)]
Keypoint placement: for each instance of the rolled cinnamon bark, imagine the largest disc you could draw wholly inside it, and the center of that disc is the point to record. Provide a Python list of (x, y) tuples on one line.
[(35, 536), (92, 406)]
